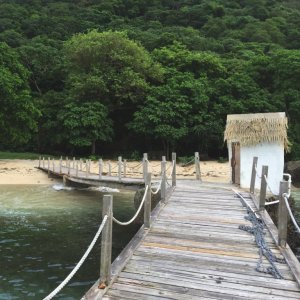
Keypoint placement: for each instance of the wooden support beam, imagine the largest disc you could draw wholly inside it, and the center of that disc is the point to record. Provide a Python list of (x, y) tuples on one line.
[(145, 165), (263, 187), (106, 242), (283, 216), (163, 179), (147, 205), (173, 169), (253, 175), (197, 166)]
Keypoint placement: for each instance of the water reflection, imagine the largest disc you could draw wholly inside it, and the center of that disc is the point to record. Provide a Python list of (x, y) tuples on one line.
[(45, 232)]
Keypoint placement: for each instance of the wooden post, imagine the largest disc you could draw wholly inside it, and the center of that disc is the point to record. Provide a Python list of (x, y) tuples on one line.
[(124, 167), (77, 168), (120, 168), (39, 161), (263, 187), (253, 175), (53, 164), (147, 205), (109, 168), (282, 214), (80, 161), (197, 166), (174, 169), (43, 162), (145, 165), (163, 179), (60, 165), (48, 163), (69, 166), (86, 168), (100, 168), (106, 242)]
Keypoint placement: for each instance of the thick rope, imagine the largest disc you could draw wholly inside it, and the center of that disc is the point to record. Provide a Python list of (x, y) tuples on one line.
[(271, 203), (158, 188), (258, 230), (137, 212), (256, 172), (188, 163), (290, 212), (69, 277), (266, 179)]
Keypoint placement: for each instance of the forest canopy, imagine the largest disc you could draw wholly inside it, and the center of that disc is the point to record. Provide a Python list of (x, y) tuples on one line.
[(123, 77)]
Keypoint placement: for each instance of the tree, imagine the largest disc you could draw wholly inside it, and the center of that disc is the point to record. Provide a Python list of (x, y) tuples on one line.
[(18, 113), (110, 71)]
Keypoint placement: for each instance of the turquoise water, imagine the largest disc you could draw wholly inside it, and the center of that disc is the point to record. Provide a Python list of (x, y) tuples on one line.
[(44, 233)]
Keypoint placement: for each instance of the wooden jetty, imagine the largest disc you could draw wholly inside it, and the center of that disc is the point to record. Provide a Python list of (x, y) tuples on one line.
[(195, 250), (202, 241)]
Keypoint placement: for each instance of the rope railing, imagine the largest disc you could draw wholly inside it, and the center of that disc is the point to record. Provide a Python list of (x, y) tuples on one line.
[(137, 212), (157, 189), (268, 185), (285, 197), (79, 264), (256, 172)]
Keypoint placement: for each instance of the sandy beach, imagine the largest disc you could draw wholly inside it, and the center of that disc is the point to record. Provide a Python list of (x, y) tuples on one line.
[(17, 171)]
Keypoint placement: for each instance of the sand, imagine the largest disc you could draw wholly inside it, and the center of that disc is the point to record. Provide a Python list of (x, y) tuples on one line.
[(25, 172)]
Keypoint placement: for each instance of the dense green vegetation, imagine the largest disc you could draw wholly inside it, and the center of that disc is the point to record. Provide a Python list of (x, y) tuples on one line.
[(121, 76)]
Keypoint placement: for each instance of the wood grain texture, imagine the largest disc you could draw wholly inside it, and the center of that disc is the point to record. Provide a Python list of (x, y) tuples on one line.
[(195, 250)]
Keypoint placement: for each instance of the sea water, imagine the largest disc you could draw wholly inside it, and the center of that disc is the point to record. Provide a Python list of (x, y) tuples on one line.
[(43, 234)]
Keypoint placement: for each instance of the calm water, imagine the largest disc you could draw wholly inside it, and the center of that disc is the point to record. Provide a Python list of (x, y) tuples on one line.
[(44, 233)]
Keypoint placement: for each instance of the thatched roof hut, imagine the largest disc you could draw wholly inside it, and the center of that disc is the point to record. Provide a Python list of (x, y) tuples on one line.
[(262, 135), (252, 129)]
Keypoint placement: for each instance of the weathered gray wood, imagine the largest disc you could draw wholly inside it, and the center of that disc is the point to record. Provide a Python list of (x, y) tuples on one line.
[(80, 162), (145, 166), (106, 242), (253, 175), (100, 168), (282, 215), (43, 162), (60, 165), (39, 161), (197, 166), (68, 166), (86, 168), (73, 163), (53, 164), (174, 169), (76, 168), (147, 205), (263, 187), (163, 179), (109, 168), (120, 168), (125, 167)]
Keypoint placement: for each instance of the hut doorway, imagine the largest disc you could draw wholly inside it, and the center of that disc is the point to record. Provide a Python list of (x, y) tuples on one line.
[(235, 162)]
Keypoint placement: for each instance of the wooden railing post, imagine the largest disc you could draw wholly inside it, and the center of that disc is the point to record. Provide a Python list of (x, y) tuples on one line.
[(174, 169), (80, 161), (106, 242), (145, 165), (53, 164), (147, 205), (163, 179), (77, 168), (43, 162), (69, 166), (263, 187), (60, 165), (73, 162), (109, 168), (100, 168), (39, 161), (124, 167), (120, 168), (253, 174), (282, 214), (86, 168), (197, 166)]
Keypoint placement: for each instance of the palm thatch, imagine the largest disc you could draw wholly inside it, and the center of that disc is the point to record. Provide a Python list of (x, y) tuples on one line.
[(252, 129)]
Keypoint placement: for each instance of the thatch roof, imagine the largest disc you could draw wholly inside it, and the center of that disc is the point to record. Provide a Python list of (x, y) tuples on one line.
[(252, 129)]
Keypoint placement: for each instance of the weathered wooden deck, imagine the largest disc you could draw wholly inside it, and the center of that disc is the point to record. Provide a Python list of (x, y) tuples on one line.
[(195, 250), (74, 177)]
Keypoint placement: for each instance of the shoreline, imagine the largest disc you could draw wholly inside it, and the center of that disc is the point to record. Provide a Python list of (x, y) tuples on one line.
[(21, 171)]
